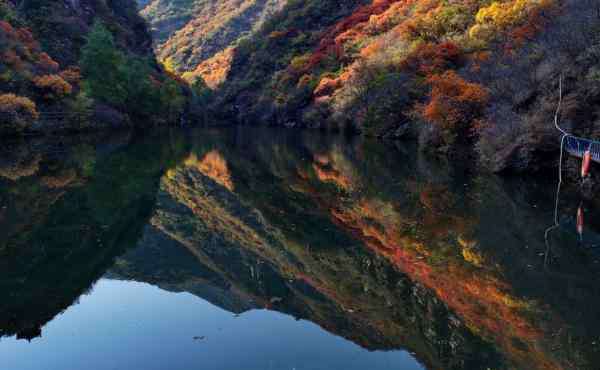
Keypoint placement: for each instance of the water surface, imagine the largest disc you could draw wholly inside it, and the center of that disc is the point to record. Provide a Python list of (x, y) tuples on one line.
[(268, 249)]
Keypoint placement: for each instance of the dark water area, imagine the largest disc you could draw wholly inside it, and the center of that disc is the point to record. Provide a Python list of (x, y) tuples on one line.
[(267, 249)]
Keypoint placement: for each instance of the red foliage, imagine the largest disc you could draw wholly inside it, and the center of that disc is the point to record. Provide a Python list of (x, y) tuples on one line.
[(7, 29), (10, 57), (26, 37), (537, 20), (331, 45), (430, 58), (46, 63)]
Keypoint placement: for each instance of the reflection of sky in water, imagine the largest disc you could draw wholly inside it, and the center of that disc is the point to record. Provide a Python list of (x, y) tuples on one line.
[(127, 325)]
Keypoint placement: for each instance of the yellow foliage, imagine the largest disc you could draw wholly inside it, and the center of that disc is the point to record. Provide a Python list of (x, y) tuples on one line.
[(169, 65), (11, 103), (499, 16), (214, 166)]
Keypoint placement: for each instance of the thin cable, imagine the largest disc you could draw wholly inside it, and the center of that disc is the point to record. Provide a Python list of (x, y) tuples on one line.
[(559, 108), (565, 135)]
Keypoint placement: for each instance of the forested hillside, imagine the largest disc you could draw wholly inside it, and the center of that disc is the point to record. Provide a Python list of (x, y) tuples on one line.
[(455, 74), (72, 65), (196, 37), (475, 78)]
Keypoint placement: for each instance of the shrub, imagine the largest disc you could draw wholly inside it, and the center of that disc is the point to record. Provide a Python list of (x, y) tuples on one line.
[(72, 75), (16, 112), (53, 86), (100, 65), (454, 104), (47, 64)]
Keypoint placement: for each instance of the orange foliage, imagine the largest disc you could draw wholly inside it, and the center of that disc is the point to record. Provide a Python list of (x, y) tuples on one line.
[(72, 75), (11, 103), (214, 70), (327, 86), (281, 34), (453, 101), (214, 166), (53, 86)]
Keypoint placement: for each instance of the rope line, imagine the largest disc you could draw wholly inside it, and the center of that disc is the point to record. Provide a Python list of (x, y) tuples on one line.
[(565, 136)]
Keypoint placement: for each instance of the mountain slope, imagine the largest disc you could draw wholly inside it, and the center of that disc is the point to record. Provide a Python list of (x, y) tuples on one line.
[(190, 32), (456, 74)]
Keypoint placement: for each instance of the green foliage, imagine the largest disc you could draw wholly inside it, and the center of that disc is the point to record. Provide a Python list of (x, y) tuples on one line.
[(126, 81), (7, 13), (101, 63), (80, 111), (201, 92), (171, 99)]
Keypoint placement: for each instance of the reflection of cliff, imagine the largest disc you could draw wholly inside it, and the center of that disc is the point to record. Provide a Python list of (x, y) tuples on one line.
[(301, 207), (242, 261), (399, 254), (64, 228), (472, 248)]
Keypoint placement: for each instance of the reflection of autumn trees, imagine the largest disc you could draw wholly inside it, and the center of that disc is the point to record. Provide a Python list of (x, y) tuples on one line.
[(263, 241), (432, 228), (391, 254)]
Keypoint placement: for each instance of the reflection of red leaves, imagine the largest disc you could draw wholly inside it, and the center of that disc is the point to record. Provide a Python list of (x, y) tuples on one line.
[(481, 299)]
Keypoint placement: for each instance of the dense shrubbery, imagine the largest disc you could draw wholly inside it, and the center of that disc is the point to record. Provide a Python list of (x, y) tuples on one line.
[(53, 86), (107, 82), (127, 82), (16, 113), (28, 76)]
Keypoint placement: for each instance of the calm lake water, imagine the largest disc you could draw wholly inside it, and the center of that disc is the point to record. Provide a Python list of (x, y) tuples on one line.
[(267, 249)]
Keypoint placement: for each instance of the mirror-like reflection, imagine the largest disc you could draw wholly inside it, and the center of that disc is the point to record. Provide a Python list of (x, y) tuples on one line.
[(370, 241)]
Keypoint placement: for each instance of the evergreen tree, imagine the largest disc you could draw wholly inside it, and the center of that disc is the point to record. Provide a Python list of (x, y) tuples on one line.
[(101, 63)]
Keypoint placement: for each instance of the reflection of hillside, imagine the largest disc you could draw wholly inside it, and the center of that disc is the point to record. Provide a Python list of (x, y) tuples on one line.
[(336, 284), (391, 254), (473, 254), (471, 245), (64, 227)]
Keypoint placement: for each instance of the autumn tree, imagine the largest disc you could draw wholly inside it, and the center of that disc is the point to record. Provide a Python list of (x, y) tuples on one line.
[(53, 86), (454, 104), (16, 112)]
